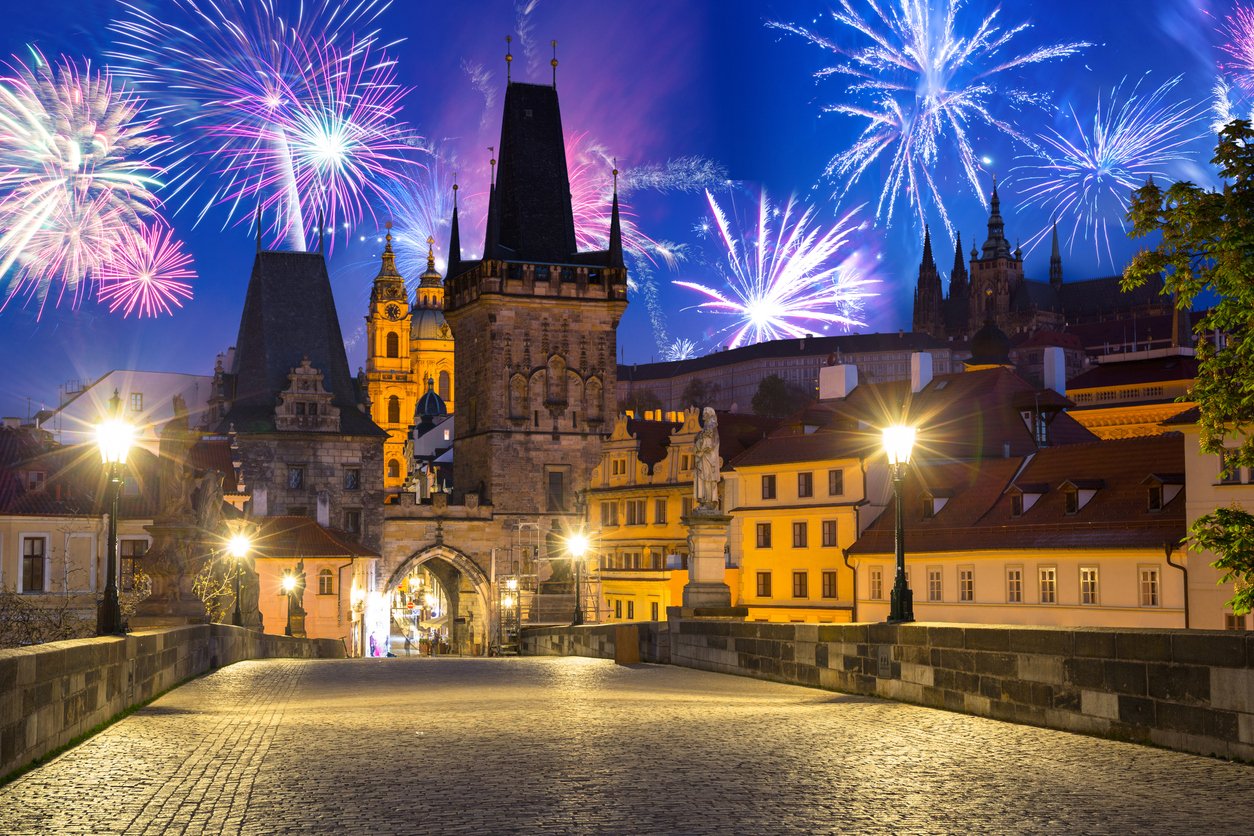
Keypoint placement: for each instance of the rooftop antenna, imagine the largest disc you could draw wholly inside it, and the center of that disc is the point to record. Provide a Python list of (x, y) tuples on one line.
[(321, 245), (454, 191), (509, 58), (492, 162), (554, 63), (258, 226)]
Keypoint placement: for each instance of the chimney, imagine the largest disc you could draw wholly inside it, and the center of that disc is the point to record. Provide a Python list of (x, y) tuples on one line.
[(837, 381), (260, 508), (12, 422), (920, 370), (1055, 370), (324, 509)]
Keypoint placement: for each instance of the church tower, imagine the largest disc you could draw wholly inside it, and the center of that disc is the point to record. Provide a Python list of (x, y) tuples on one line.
[(392, 387), (957, 304), (996, 272), (927, 293), (534, 325), (430, 339)]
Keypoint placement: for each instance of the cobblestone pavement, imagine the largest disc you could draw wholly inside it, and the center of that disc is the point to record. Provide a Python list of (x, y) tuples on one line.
[(570, 745)]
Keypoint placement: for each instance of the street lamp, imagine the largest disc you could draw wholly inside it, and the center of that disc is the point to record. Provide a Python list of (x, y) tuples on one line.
[(576, 546), (898, 443), (289, 586), (238, 547), (114, 437)]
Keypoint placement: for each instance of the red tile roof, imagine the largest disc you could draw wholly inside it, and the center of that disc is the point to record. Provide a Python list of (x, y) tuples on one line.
[(301, 537), (1131, 372)]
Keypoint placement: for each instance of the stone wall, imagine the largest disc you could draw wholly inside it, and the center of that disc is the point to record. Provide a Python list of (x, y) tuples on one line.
[(599, 641), (1189, 690), (53, 693)]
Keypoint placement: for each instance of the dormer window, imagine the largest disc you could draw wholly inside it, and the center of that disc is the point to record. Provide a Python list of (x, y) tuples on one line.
[(929, 507), (1024, 496), (934, 500), (1161, 488), (1016, 505), (1071, 502), (1079, 492), (1156, 498)]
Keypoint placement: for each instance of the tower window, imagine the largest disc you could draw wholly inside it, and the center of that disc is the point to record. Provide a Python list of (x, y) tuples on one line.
[(394, 410), (394, 469), (445, 387), (393, 344)]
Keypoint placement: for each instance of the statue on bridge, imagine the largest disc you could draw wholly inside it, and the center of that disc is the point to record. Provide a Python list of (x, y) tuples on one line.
[(708, 463)]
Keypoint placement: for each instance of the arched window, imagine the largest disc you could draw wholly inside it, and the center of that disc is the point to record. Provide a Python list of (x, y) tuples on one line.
[(394, 469), (445, 387), (394, 410), (325, 582), (393, 344)]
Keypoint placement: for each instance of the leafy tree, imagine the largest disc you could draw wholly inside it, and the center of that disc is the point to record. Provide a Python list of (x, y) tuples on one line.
[(699, 393), (777, 399), (639, 402), (1207, 248)]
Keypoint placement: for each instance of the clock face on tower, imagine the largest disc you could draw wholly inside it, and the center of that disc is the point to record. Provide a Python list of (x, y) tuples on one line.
[(392, 311)]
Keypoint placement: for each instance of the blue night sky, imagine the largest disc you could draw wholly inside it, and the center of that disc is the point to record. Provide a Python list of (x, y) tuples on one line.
[(711, 95)]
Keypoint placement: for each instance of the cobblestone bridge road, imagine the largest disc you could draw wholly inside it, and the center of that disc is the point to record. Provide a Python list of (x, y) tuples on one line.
[(576, 745)]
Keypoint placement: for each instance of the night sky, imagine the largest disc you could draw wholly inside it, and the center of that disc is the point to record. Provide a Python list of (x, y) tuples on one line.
[(708, 87)]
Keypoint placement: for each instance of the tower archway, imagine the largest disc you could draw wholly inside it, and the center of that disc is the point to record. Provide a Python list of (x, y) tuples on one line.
[(440, 602)]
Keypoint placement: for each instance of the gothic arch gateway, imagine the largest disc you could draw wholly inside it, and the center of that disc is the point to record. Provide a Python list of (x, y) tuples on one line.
[(465, 593)]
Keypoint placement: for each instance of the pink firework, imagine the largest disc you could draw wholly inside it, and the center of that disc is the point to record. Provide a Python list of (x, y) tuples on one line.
[(147, 273), (1239, 29), (592, 200)]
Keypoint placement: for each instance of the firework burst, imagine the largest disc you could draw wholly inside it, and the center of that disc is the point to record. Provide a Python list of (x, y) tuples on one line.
[(147, 273), (293, 112), (1088, 175), (922, 87), (787, 276), (1233, 92), (78, 167), (680, 349)]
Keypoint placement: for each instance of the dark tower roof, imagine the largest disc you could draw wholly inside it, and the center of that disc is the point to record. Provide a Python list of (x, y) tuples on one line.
[(454, 242), (1055, 261), (996, 246), (958, 275), (533, 186), (289, 313), (928, 262), (616, 230)]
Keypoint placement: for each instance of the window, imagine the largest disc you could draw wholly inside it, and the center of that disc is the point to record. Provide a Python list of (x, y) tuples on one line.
[(352, 479), (631, 609), (297, 511), (800, 535), (929, 507), (352, 520), (556, 493), (618, 608), (1229, 472), (295, 477), (128, 550), (326, 582), (835, 483), (829, 583), (876, 582), (966, 584), (299, 407), (444, 388), (1155, 498), (654, 610), (768, 487), (1071, 502), (801, 584), (394, 469), (1014, 586), (805, 485), (933, 584), (1149, 586), (687, 504), (635, 512), (659, 511), (1016, 505), (764, 584), (618, 467), (1088, 585), (764, 535), (137, 401), (34, 554), (1047, 579), (393, 343), (829, 533), (609, 514), (1234, 622), (394, 410)]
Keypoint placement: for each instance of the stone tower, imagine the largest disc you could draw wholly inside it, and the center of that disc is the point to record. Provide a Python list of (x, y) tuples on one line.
[(392, 386), (996, 272), (534, 325), (957, 304), (928, 298), (430, 339)]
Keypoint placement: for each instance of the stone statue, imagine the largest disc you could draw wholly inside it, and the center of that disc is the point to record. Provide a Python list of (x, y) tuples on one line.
[(708, 463), (298, 591)]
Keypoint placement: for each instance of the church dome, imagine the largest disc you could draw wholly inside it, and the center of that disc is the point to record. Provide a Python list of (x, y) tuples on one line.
[(430, 405), (990, 346), (429, 324)]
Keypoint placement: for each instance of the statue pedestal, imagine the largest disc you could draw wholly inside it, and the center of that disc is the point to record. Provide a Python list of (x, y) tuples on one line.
[(706, 593)]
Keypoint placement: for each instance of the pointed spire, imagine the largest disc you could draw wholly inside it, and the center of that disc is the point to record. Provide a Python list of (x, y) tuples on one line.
[(493, 231), (1055, 260), (959, 265), (509, 57), (996, 245), (616, 231), (258, 224), (454, 240), (554, 63), (928, 261), (321, 245), (387, 266), (430, 253)]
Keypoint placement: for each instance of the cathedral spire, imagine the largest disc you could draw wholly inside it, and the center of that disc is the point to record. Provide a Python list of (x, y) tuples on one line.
[(996, 245), (258, 225), (321, 245), (1055, 261), (509, 58), (616, 232), (454, 241), (554, 64), (492, 236), (928, 261)]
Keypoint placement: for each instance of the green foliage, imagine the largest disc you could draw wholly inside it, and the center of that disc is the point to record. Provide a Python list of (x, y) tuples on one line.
[(1206, 246), (1229, 533), (639, 402), (777, 399), (698, 393)]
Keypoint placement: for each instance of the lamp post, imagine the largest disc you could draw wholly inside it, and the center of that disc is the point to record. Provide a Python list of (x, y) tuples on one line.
[(289, 585), (114, 437), (576, 546), (238, 546), (898, 443)]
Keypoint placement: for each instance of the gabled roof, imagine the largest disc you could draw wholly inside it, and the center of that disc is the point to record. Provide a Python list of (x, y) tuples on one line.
[(76, 484), (1131, 372), (289, 313), (292, 538)]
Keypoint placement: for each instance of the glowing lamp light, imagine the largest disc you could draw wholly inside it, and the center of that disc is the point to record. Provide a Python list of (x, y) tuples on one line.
[(577, 544), (289, 583), (898, 443), (114, 437), (238, 545), (507, 601), (512, 583)]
